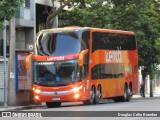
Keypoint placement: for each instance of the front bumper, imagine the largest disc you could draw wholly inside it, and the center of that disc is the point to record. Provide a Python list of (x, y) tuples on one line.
[(60, 96)]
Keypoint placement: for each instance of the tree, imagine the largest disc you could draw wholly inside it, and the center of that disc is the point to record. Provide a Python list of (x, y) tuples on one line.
[(140, 16), (54, 12), (91, 13), (8, 9)]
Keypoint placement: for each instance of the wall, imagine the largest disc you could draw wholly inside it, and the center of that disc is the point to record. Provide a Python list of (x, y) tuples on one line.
[(2, 78), (20, 39)]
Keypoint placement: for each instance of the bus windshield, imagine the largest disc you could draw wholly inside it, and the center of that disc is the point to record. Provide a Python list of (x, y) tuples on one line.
[(56, 73), (59, 43)]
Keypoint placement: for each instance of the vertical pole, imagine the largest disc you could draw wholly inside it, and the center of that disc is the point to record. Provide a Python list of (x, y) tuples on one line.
[(12, 81), (4, 54)]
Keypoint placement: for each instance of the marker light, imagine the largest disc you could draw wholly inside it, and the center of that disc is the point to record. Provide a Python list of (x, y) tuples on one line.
[(37, 91)]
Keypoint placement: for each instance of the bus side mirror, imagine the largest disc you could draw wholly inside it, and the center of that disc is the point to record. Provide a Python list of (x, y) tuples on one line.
[(81, 57), (27, 62)]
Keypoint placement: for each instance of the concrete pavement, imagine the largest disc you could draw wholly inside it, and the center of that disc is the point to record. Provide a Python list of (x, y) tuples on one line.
[(17, 108), (156, 93)]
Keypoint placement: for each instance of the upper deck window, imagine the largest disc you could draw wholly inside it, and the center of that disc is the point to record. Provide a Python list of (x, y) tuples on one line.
[(57, 44), (113, 41)]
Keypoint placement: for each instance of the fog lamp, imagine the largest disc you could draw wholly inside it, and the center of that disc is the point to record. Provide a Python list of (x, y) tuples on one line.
[(36, 97), (76, 96)]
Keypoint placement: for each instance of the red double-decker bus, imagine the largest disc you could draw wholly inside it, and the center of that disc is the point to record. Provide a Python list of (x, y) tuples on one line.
[(84, 64)]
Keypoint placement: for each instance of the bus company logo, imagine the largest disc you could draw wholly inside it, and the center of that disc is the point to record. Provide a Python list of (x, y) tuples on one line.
[(59, 58), (114, 56)]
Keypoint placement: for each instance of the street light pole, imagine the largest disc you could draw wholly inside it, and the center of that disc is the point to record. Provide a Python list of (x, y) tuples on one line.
[(12, 82), (4, 54)]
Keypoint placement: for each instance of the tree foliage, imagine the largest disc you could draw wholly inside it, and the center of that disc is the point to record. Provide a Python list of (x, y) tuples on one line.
[(8, 9), (140, 16)]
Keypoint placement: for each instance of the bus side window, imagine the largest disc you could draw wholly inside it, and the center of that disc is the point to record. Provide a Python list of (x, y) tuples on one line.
[(85, 40), (85, 67)]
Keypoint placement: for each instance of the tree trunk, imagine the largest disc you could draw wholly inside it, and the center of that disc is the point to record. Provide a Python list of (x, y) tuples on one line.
[(143, 89), (151, 88), (54, 13)]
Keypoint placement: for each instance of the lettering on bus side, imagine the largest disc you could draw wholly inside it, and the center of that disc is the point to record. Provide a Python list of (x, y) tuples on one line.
[(55, 58), (114, 56)]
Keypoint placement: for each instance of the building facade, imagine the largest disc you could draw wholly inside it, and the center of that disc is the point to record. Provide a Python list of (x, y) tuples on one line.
[(28, 21)]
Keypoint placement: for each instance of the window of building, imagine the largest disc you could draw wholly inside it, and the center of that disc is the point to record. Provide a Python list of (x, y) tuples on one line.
[(1, 47), (27, 3)]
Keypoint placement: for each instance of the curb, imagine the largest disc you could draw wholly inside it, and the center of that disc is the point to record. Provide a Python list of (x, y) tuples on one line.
[(17, 108)]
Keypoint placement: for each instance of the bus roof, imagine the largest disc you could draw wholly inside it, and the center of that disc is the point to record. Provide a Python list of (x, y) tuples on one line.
[(71, 28)]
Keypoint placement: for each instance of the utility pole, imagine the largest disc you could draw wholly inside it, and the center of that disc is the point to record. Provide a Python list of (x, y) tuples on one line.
[(5, 71), (11, 79)]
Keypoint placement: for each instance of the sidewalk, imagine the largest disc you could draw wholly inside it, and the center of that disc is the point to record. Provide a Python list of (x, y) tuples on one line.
[(156, 93), (17, 108)]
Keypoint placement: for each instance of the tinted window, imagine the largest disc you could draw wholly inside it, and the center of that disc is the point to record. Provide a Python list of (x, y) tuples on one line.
[(112, 41), (104, 71), (85, 40), (57, 44)]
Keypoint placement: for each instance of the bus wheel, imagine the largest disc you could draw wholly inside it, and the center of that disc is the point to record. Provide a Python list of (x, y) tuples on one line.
[(98, 95), (53, 104), (129, 94), (125, 96), (92, 98)]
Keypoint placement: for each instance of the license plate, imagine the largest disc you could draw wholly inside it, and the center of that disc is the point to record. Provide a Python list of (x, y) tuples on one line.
[(55, 98)]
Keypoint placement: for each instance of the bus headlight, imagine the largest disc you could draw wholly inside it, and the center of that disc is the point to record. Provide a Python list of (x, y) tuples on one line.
[(76, 89), (37, 91)]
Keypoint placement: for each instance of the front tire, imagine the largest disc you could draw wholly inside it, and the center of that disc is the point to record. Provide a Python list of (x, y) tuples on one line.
[(98, 95)]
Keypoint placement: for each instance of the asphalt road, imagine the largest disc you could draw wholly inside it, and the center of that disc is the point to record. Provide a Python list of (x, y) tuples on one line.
[(136, 109)]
